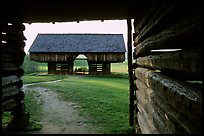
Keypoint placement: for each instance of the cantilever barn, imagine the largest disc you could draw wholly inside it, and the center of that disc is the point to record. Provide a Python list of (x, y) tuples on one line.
[(61, 50)]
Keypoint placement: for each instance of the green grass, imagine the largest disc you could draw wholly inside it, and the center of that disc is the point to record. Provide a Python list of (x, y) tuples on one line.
[(103, 99), (33, 104), (119, 67), (39, 77)]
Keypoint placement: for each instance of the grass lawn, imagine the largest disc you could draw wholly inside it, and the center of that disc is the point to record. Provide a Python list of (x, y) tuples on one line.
[(102, 98), (41, 77)]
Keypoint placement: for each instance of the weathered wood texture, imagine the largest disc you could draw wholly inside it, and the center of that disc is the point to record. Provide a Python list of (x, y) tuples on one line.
[(44, 57), (184, 64), (171, 27), (165, 99), (12, 59), (184, 100), (99, 68)]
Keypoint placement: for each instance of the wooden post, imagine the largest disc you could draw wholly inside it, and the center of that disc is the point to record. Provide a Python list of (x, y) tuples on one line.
[(51, 67), (130, 71)]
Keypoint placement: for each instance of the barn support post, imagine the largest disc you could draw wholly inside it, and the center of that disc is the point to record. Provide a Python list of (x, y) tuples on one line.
[(131, 79), (51, 67), (70, 67), (106, 68)]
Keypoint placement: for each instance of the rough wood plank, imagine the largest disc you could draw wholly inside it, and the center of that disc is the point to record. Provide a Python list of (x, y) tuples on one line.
[(179, 94), (15, 50), (143, 75), (14, 28), (156, 80), (180, 34), (142, 19), (9, 91), (13, 45), (157, 21), (142, 124), (15, 71), (9, 80), (147, 120), (162, 122), (13, 37), (144, 104), (187, 63), (9, 104), (183, 125), (13, 58), (146, 90), (9, 66)]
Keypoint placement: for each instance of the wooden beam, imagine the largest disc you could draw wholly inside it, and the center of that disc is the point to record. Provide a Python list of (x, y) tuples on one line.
[(130, 71), (183, 96), (179, 34), (183, 64)]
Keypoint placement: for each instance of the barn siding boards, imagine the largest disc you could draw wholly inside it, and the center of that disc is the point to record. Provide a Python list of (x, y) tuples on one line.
[(63, 57), (97, 68), (186, 63)]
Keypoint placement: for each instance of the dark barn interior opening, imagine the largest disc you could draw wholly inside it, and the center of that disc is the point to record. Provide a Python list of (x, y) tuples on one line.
[(167, 86)]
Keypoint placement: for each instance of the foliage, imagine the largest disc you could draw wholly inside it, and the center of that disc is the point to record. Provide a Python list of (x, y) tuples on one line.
[(6, 116), (29, 66)]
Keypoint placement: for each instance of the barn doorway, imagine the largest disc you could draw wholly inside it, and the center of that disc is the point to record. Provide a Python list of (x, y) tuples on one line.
[(81, 66)]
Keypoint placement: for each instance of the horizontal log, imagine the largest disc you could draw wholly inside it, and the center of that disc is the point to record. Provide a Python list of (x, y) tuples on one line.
[(147, 125), (11, 44), (142, 19), (9, 66), (144, 89), (157, 21), (15, 71), (176, 93), (13, 37), (143, 75), (186, 64), (12, 58), (9, 80), (9, 104), (181, 34), (142, 124), (183, 125), (146, 104), (158, 81), (162, 122), (9, 91), (14, 28)]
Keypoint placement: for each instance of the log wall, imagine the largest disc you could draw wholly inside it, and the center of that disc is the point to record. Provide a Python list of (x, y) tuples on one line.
[(12, 51), (168, 82)]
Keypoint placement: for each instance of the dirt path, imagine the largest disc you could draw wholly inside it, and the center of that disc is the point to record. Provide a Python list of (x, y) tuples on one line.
[(60, 117)]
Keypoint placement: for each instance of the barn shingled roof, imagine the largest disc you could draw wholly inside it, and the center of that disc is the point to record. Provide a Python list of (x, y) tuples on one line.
[(78, 43)]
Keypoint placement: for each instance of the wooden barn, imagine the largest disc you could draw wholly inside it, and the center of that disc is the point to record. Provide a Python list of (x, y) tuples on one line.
[(61, 50), (165, 86)]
